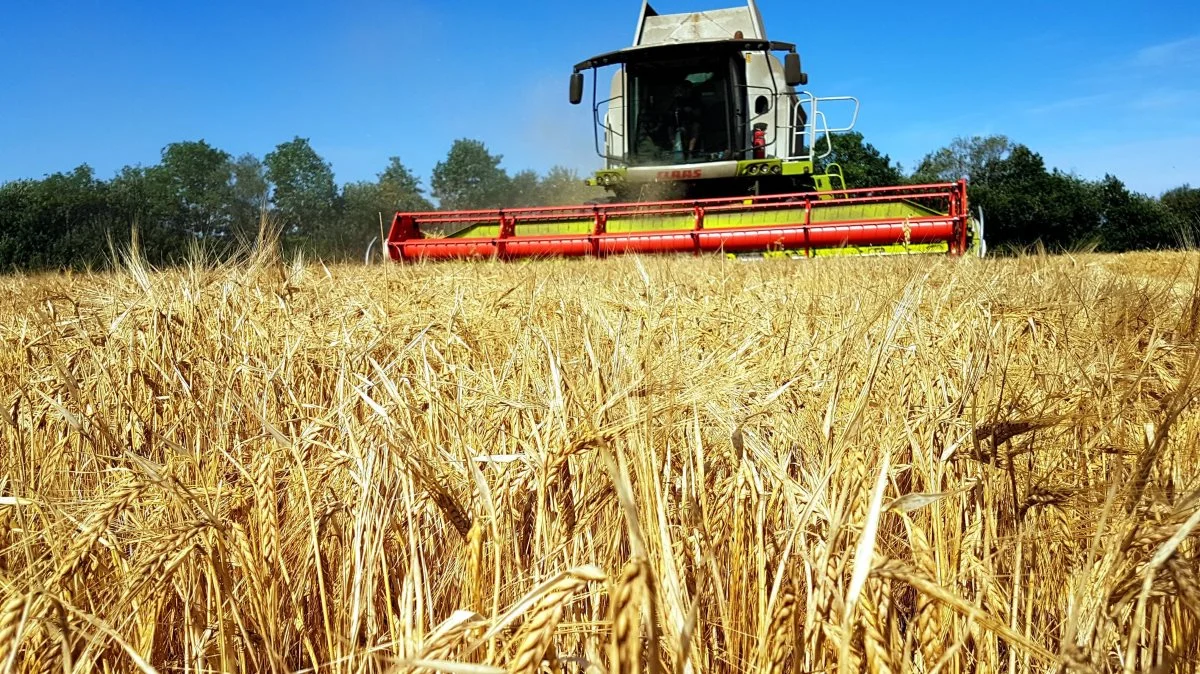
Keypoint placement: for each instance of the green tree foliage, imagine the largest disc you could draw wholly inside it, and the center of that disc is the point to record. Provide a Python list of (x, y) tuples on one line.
[(862, 164), (368, 207), (365, 215), (1131, 221), (963, 158), (305, 195), (1023, 203), (250, 195), (142, 198), (1183, 203), (191, 196), (564, 186), (524, 189), (19, 240), (470, 177), (200, 180), (63, 218), (400, 188)]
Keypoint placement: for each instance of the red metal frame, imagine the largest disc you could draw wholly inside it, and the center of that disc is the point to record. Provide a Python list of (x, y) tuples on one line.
[(407, 242)]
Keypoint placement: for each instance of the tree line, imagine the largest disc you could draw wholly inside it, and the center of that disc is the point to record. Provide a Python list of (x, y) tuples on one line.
[(198, 194), (1025, 203)]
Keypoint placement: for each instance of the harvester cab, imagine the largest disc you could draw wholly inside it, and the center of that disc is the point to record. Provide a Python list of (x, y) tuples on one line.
[(701, 105), (710, 144)]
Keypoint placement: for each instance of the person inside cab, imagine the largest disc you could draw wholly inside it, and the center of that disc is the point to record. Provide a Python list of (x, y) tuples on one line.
[(670, 124), (685, 122)]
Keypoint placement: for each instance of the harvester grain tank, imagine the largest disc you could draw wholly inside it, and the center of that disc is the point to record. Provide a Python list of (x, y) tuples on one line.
[(710, 144)]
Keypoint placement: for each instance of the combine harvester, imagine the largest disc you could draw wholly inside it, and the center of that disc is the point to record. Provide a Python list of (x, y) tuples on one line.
[(710, 146)]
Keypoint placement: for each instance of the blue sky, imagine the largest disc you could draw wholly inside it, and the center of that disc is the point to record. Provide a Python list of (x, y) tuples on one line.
[(1093, 88)]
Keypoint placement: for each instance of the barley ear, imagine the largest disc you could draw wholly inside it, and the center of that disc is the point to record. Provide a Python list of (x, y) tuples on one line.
[(474, 589), (876, 627), (537, 634), (627, 620), (781, 635), (13, 615)]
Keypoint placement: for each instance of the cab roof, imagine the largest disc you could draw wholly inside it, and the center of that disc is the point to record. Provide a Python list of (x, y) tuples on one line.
[(674, 50)]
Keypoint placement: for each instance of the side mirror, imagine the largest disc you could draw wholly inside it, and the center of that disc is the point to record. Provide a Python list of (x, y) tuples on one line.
[(576, 88), (792, 73)]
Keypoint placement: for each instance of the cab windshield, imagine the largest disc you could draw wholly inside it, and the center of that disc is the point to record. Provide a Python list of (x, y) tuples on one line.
[(680, 112)]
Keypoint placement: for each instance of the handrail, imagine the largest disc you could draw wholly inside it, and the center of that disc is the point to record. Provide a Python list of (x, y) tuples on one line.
[(597, 125), (853, 118), (824, 130), (797, 130), (816, 127), (840, 175)]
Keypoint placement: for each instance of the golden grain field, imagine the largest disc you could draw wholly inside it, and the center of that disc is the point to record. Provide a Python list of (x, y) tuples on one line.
[(669, 465)]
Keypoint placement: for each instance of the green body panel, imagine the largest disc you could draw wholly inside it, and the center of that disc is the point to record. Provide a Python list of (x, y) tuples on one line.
[(797, 168), (828, 211), (832, 179), (894, 249), (618, 176), (606, 178)]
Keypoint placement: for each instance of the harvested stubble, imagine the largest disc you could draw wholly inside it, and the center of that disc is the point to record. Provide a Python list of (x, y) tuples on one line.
[(668, 465)]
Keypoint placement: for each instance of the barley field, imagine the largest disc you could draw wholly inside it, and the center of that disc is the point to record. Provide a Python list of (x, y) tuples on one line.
[(668, 465)]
